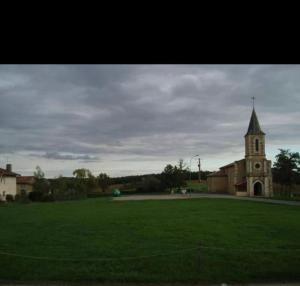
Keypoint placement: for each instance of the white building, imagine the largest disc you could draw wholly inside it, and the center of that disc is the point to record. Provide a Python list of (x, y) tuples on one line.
[(8, 182)]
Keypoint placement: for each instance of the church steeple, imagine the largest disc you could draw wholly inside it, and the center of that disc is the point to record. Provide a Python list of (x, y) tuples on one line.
[(254, 138), (254, 127), (257, 167)]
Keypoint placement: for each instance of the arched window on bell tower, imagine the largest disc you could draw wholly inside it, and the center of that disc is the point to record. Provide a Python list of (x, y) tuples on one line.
[(256, 145)]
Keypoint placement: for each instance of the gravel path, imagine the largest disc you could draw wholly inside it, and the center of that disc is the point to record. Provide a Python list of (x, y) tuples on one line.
[(197, 196)]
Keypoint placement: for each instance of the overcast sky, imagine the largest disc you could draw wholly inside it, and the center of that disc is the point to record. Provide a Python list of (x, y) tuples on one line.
[(135, 119)]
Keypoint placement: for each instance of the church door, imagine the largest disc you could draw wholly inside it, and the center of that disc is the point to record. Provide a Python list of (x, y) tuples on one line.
[(258, 189)]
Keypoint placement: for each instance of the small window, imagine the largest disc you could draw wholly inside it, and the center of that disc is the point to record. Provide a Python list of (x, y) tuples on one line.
[(257, 165), (256, 145)]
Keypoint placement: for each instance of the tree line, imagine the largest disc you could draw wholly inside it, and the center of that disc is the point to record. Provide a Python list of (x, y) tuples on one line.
[(286, 172), (84, 183), (65, 188)]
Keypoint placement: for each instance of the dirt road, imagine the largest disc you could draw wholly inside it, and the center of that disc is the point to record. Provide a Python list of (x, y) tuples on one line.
[(197, 196)]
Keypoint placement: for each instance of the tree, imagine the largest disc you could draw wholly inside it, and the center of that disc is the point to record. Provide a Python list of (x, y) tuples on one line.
[(174, 176), (182, 173), (40, 183), (82, 173), (39, 174), (83, 180), (59, 187), (63, 188), (182, 166), (149, 184), (167, 177), (103, 181), (40, 186), (92, 181), (286, 168)]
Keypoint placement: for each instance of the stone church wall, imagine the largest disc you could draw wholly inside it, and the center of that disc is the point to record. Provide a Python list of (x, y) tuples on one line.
[(217, 184), (230, 172), (241, 170)]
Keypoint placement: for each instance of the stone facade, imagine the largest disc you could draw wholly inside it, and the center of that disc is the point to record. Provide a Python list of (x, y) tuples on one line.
[(251, 176)]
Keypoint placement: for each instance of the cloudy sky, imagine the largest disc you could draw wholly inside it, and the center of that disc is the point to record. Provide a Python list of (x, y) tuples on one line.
[(135, 119)]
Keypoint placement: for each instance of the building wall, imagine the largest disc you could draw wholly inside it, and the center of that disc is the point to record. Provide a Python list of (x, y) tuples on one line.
[(230, 172), (262, 174), (241, 170), (28, 188), (270, 178), (9, 186), (217, 184), (250, 149)]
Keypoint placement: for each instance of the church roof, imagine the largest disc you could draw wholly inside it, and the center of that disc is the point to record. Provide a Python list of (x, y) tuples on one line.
[(217, 174), (227, 166), (254, 127), (231, 164)]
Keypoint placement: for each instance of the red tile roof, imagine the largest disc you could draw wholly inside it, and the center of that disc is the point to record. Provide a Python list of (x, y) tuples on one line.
[(4, 172), (29, 180)]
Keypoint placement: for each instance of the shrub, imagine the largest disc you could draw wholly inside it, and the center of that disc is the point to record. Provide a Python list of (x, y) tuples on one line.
[(35, 196), (149, 184), (47, 198), (41, 197), (22, 199), (9, 198)]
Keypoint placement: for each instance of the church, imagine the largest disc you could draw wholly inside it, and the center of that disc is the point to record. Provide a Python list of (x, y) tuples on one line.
[(251, 176)]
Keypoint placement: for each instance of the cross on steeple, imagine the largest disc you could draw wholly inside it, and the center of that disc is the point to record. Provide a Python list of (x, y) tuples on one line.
[(253, 98)]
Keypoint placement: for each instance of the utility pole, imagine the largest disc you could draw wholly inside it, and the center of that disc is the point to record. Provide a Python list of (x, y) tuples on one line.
[(199, 166), (191, 166)]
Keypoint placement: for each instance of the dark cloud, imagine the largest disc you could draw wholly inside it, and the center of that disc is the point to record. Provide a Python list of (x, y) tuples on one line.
[(144, 111), (58, 156)]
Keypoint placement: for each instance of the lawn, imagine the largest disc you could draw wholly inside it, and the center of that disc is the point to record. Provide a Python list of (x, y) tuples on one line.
[(101, 228)]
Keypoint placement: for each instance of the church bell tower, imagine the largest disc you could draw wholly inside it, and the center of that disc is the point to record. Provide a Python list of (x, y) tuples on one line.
[(258, 168)]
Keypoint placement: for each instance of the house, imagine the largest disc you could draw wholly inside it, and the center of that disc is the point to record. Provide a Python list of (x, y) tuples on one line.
[(25, 184), (250, 176), (8, 182)]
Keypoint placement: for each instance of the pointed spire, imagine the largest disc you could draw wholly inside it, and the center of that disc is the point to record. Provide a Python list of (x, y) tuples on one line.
[(254, 127)]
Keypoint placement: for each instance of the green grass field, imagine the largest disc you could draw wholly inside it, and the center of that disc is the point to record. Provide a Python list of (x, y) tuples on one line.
[(101, 228), (197, 187)]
